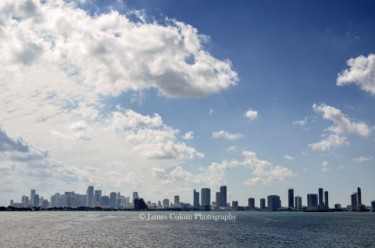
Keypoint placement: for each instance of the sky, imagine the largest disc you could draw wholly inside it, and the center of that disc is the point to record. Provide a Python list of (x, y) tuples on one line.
[(163, 97)]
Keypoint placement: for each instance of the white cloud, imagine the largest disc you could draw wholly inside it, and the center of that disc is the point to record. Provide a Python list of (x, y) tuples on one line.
[(331, 142), (342, 123), (251, 114), (361, 159), (325, 166), (288, 157), (226, 135), (300, 123), (361, 72), (188, 135)]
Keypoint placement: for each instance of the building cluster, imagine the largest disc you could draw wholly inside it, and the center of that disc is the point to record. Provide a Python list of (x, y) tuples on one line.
[(201, 201)]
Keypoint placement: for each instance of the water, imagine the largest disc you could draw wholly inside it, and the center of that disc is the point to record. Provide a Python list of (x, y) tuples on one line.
[(132, 229)]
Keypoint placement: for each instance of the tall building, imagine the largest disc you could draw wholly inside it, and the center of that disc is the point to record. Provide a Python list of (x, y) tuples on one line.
[(135, 196), (290, 198), (373, 206), (90, 196), (32, 194), (262, 204), (223, 196), (36, 200), (112, 199), (176, 199), (326, 203), (321, 203), (97, 197), (218, 199), (251, 203), (165, 203), (205, 199), (274, 202), (312, 201), (356, 199), (196, 199), (298, 205)]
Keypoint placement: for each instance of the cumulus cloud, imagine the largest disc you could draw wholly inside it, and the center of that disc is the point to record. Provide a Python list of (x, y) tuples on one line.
[(342, 125), (226, 135), (331, 142), (361, 159), (188, 135), (361, 72), (251, 114), (300, 123), (288, 157), (325, 166)]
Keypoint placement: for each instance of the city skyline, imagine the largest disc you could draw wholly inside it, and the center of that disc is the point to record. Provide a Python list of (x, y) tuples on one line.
[(160, 97)]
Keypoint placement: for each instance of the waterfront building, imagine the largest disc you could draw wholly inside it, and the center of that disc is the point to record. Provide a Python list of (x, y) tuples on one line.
[(32, 194), (90, 196), (312, 201), (112, 199), (176, 199), (135, 196), (206, 199), (218, 200), (223, 196), (235, 205), (97, 197), (274, 202), (356, 200), (298, 203), (104, 201), (321, 203), (251, 203), (326, 203), (373, 206), (196, 199), (290, 198), (165, 203), (262, 204)]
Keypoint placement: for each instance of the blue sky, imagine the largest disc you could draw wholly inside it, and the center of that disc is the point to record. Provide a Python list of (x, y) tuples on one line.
[(163, 97)]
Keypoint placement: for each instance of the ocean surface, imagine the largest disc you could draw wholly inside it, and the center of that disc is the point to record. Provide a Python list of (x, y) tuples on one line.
[(186, 229)]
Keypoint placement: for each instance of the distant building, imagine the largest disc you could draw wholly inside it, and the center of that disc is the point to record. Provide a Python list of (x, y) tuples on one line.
[(104, 201), (251, 203), (97, 197), (165, 203), (356, 200), (321, 203), (32, 194), (139, 203), (176, 199), (196, 199), (205, 199), (36, 200), (135, 196), (90, 196), (290, 198), (312, 201), (235, 205), (274, 202), (338, 207), (112, 200), (326, 203), (373, 206), (223, 196), (298, 203), (217, 203), (262, 204)]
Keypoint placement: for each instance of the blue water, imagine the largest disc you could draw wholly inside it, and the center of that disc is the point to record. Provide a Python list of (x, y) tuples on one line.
[(184, 229)]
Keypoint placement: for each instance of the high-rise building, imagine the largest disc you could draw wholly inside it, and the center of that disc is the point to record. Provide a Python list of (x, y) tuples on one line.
[(112, 199), (251, 203), (235, 205), (321, 203), (262, 204), (274, 202), (36, 200), (176, 199), (97, 197), (356, 199), (326, 203), (290, 198), (32, 194), (312, 201), (104, 201), (135, 196), (223, 196), (218, 199), (206, 199), (90, 196), (373, 206), (298, 205), (165, 203), (196, 199)]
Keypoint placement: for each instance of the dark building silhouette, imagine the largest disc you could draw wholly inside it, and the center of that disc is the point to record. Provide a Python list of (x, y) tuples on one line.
[(274, 202), (262, 204), (326, 203), (290, 198), (223, 196), (312, 201), (139, 203), (356, 199), (206, 199), (196, 199), (321, 204), (251, 203), (373, 206)]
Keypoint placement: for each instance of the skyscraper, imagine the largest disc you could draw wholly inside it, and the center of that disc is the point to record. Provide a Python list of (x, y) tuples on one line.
[(176, 199), (97, 197), (298, 205), (312, 201), (274, 202), (90, 196), (326, 203), (223, 196), (135, 196), (32, 194), (321, 204), (206, 199), (290, 198), (251, 203), (356, 199), (262, 204), (112, 199), (196, 199), (218, 199)]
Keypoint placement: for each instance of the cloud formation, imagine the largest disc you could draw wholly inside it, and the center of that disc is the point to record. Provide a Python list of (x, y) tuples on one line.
[(226, 135), (361, 72), (251, 114)]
